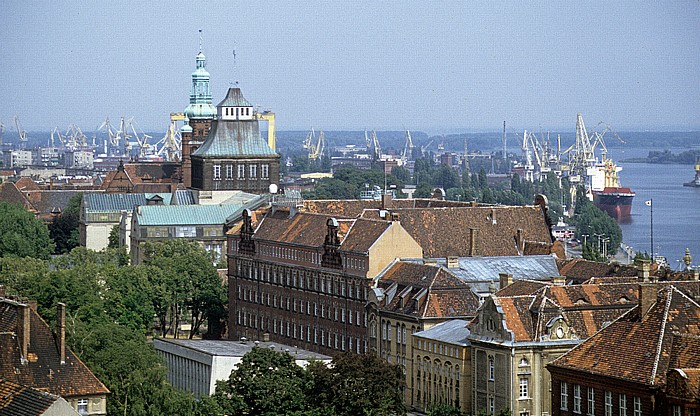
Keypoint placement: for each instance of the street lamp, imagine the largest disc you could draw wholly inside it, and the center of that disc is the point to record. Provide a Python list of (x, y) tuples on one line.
[(585, 238), (605, 246)]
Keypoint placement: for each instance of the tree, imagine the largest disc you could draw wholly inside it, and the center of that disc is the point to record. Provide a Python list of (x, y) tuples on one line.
[(349, 386), (113, 237), (22, 234), (186, 279), (266, 382), (64, 229)]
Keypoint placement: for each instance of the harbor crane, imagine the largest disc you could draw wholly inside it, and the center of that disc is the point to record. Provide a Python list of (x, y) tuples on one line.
[(407, 153), (315, 146), (170, 146), (2, 132), (376, 146), (425, 147), (269, 116), (22, 133)]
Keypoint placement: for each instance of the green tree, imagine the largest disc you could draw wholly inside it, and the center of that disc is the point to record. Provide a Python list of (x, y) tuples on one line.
[(349, 386), (444, 410), (113, 240), (64, 229), (22, 234), (266, 382), (187, 280)]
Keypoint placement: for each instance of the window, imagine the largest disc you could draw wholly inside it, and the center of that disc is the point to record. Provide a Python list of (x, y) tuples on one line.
[(677, 410), (217, 172), (623, 405), (229, 171), (577, 398), (692, 412), (241, 171), (564, 396), (264, 171), (83, 406), (591, 401), (637, 406), (492, 405), (492, 369), (524, 388), (186, 231), (608, 404), (253, 171)]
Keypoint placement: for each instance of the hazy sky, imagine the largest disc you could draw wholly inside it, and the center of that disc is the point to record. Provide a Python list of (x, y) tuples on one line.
[(431, 66)]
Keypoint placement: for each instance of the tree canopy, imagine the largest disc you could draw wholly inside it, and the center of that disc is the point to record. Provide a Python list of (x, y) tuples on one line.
[(22, 234)]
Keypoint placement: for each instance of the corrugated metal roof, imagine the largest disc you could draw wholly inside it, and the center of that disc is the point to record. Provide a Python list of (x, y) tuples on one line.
[(453, 331), (107, 202), (479, 272), (234, 98), (234, 139), (185, 214)]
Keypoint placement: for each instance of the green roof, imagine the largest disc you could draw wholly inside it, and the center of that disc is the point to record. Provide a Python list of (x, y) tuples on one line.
[(185, 214), (235, 139)]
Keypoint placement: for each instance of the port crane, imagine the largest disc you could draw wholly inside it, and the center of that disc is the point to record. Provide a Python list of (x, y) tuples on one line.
[(376, 146), (22, 133), (315, 146), (269, 116), (2, 132), (425, 147), (170, 146), (407, 153)]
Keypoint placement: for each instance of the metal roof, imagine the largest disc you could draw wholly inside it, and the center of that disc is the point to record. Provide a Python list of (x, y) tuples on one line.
[(453, 331), (185, 214), (480, 272), (107, 202), (239, 349), (234, 98), (239, 138)]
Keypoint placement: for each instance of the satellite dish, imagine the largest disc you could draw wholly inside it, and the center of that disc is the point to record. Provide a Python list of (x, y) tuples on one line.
[(273, 188)]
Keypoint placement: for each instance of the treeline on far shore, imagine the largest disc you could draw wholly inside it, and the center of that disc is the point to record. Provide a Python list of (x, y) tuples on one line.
[(687, 157)]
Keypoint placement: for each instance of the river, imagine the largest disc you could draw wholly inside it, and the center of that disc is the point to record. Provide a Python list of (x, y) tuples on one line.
[(676, 208)]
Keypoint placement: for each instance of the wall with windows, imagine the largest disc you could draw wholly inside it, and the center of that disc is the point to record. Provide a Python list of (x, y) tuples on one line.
[(579, 394), (441, 375), (89, 405), (248, 175)]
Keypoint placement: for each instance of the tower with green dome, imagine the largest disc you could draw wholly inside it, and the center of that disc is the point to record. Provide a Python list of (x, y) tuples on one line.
[(199, 115)]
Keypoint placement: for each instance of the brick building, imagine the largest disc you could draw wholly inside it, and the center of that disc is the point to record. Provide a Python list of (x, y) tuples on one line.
[(644, 363), (304, 278)]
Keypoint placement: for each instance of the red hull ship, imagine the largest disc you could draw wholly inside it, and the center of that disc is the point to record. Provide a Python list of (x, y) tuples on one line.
[(607, 193), (617, 202)]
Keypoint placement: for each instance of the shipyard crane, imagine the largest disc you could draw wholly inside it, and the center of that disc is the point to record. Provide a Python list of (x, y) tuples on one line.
[(170, 146), (55, 132), (376, 146), (368, 143), (2, 132), (22, 133), (424, 148), (74, 138), (269, 116), (407, 153), (316, 149)]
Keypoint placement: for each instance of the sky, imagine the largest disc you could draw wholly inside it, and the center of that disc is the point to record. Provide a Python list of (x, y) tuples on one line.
[(431, 66)]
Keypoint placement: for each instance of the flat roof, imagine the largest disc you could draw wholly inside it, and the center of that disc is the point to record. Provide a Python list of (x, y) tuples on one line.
[(224, 348)]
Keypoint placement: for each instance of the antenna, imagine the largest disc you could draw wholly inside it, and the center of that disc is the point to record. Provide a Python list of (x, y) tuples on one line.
[(234, 66), (504, 140), (201, 40)]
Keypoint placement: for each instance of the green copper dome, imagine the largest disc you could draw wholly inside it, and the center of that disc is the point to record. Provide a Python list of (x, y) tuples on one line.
[(200, 106)]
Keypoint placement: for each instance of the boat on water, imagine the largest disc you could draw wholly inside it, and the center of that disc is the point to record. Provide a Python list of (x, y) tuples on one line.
[(606, 191), (695, 182)]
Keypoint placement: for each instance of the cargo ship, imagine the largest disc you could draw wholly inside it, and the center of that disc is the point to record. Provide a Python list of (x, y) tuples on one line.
[(606, 191), (695, 182)]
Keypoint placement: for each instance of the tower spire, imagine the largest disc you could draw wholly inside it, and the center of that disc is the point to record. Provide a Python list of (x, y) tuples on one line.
[(201, 40)]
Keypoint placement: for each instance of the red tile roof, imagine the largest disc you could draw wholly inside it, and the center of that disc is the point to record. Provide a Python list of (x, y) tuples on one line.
[(43, 369), (638, 346)]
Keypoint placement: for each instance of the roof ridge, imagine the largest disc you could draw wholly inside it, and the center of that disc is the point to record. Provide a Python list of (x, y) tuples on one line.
[(660, 343)]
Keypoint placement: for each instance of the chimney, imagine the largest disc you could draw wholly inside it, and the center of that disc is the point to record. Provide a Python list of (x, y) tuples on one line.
[(2, 291), (61, 327), (23, 331), (452, 262), (643, 267), (32, 305), (696, 274), (520, 240), (559, 280), (266, 337), (473, 241), (386, 200), (395, 216), (506, 279), (647, 296)]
